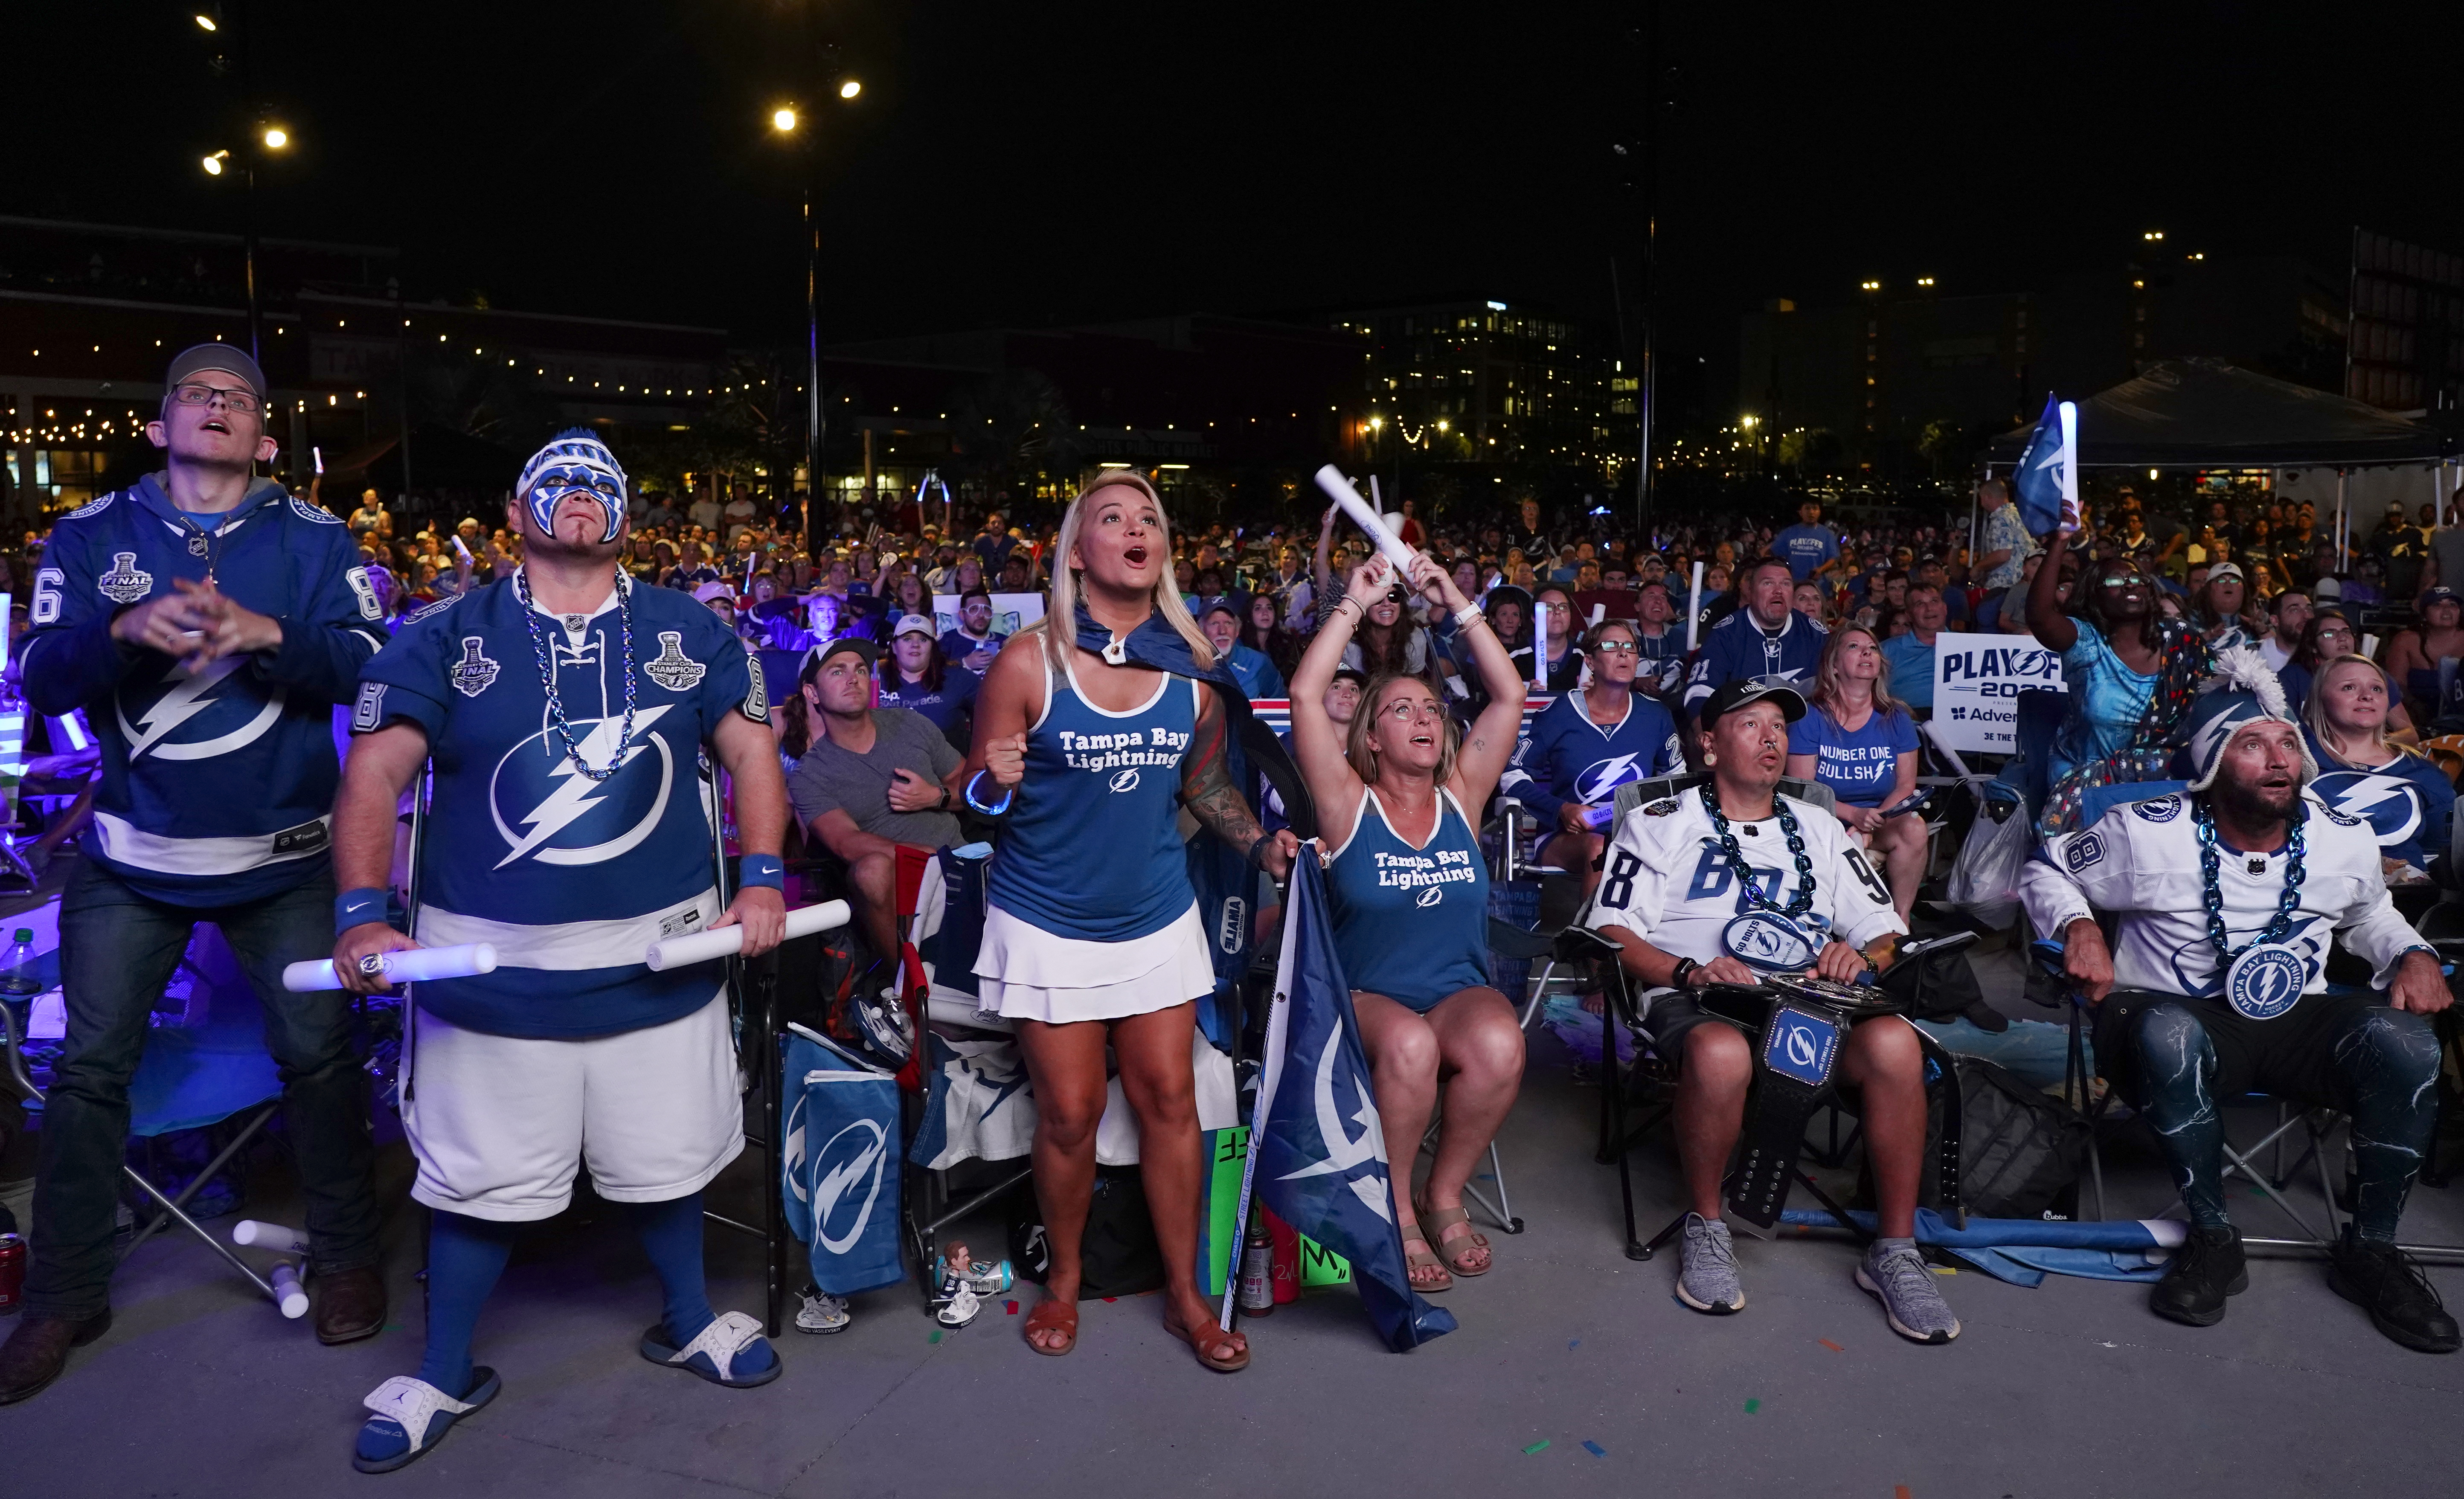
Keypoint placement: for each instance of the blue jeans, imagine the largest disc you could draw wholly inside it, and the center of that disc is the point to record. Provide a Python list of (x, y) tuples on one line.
[(117, 951)]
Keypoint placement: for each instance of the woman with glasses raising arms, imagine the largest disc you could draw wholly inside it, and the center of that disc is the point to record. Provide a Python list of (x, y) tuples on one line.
[(1411, 902), (1583, 747)]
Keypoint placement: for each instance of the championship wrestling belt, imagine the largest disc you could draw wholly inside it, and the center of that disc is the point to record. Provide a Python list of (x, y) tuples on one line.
[(1803, 1023)]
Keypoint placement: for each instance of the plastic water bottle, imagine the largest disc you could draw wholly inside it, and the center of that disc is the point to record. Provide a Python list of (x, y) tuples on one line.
[(18, 978)]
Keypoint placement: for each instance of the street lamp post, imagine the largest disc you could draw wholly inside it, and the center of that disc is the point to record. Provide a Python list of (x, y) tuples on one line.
[(787, 120)]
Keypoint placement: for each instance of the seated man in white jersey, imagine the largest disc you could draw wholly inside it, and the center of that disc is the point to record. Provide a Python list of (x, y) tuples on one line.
[(2226, 901), (563, 710), (1393, 791), (1687, 877)]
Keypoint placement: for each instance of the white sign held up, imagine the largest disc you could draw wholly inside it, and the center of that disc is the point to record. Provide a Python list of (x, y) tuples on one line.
[(1977, 680)]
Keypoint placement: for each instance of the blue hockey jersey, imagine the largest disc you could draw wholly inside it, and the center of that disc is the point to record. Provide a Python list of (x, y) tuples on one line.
[(572, 878), (1738, 646), (217, 788), (1565, 757)]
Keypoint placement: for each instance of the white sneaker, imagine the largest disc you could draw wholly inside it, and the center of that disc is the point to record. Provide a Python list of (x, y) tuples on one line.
[(821, 1311), (960, 1309)]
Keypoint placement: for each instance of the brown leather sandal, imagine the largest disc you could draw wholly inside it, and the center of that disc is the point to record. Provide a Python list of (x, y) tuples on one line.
[(1415, 1258), (1210, 1336), (1439, 1220), (1052, 1316)]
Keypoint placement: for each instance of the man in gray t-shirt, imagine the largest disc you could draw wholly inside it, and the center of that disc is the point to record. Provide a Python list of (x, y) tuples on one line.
[(874, 778)]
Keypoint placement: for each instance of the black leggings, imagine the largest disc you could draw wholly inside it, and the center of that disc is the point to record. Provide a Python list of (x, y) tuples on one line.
[(2380, 1066)]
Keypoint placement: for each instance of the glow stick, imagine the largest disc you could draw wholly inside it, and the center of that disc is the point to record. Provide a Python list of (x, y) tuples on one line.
[(1694, 609), (270, 1236), (288, 1295), (676, 952), (410, 966), (2070, 465), (1540, 646), (1330, 479)]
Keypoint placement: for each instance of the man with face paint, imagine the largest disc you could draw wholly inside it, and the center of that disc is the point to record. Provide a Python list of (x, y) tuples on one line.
[(207, 623), (563, 710)]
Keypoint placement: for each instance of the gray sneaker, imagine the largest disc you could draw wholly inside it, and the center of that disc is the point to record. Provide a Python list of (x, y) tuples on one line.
[(1899, 1277), (1707, 1281)]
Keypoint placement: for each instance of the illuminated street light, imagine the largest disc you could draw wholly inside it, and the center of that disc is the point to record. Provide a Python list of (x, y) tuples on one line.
[(850, 89), (783, 120), (277, 137), (213, 165), (1871, 286), (2153, 235), (205, 22), (1925, 280)]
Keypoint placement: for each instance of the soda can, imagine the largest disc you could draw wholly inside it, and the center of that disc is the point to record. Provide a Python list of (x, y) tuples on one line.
[(13, 1272), (1258, 1276)]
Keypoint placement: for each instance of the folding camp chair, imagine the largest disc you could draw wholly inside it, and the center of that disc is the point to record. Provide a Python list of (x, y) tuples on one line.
[(190, 1077)]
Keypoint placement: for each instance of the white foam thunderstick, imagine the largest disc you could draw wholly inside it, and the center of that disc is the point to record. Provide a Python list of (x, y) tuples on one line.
[(409, 965), (1365, 516), (676, 952)]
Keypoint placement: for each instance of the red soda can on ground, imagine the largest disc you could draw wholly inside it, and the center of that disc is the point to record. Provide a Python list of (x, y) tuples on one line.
[(13, 1272)]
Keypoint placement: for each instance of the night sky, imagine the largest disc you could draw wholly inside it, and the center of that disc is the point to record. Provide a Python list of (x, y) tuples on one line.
[(1033, 164)]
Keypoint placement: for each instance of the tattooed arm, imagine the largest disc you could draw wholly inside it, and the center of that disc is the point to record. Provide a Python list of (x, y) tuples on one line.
[(1207, 790)]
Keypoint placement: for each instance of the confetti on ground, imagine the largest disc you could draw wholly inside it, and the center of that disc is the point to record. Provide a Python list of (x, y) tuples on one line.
[(1944, 1269), (1753, 1407), (393, 1327), (1108, 1300), (1899, 1491), (1573, 1342), (936, 1338), (1535, 1446), (1595, 1449), (1828, 1343), (1012, 1307)]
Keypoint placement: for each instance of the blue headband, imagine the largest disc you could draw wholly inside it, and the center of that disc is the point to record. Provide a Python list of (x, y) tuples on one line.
[(575, 462)]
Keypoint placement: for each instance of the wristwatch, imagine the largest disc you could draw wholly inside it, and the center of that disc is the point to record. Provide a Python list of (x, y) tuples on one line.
[(1683, 971), (943, 805)]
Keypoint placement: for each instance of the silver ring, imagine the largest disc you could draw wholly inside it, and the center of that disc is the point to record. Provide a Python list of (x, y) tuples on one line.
[(373, 964)]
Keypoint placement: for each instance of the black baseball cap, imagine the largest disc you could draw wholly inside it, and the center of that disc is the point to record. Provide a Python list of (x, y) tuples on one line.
[(869, 651), (1731, 696), (200, 358)]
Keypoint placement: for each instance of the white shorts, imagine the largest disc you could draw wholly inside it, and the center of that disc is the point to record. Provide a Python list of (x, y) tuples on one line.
[(1027, 973), (499, 1123)]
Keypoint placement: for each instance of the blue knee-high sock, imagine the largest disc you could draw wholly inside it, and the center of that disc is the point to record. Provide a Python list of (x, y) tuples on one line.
[(2177, 1063), (465, 1256), (672, 1236)]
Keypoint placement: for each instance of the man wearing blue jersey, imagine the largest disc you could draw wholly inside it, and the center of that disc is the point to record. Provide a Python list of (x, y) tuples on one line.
[(1580, 749), (1809, 548), (563, 712), (206, 623), (1766, 639)]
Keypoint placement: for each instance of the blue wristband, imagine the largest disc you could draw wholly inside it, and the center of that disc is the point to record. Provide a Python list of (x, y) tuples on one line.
[(997, 808), (358, 907), (767, 870)]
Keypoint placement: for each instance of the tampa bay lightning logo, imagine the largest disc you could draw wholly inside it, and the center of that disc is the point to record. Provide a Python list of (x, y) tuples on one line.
[(1124, 780), (1346, 1153), (1430, 895), (846, 1173), (1801, 1046), (195, 716), (2265, 982), (2387, 803), (2196, 971), (1771, 943), (2158, 809), (1600, 779), (546, 810)]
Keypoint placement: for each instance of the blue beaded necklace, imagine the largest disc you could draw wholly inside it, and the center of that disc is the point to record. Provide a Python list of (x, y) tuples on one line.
[(2213, 892), (547, 675)]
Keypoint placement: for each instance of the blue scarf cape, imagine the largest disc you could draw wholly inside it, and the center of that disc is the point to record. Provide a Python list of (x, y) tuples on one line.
[(1220, 873)]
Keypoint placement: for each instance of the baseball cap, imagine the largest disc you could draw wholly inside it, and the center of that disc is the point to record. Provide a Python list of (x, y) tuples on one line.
[(713, 590), (2327, 590), (857, 643), (2441, 596), (200, 358), (1731, 696), (915, 625), (2224, 570)]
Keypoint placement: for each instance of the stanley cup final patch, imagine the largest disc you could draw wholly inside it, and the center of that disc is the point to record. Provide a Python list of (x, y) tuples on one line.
[(672, 669), (474, 673), (126, 582)]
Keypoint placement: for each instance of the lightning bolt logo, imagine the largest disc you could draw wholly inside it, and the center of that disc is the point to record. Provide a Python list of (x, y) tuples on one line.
[(190, 695), (574, 794), (2354, 796)]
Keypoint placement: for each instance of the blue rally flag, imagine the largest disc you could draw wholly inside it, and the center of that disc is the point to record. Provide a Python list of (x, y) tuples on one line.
[(2047, 482), (1319, 1160)]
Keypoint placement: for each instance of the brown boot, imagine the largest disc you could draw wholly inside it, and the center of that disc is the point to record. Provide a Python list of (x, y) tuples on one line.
[(350, 1304), (38, 1350)]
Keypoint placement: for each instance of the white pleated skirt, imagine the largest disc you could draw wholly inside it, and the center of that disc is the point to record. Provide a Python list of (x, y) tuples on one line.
[(1028, 973)]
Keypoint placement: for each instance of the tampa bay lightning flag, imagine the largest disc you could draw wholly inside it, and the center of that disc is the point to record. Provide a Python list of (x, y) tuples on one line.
[(842, 1160), (2047, 483), (1319, 1157)]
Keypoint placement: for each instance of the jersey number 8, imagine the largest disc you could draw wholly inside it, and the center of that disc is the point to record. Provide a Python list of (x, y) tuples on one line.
[(1618, 887)]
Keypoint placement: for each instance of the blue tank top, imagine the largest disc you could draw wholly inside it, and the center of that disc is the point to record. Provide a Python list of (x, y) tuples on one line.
[(1092, 847), (1411, 923)]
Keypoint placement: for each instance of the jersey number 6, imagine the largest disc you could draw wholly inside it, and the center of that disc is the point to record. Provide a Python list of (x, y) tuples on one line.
[(46, 606)]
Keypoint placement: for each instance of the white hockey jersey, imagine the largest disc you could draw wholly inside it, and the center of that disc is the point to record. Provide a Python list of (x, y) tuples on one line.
[(2142, 859), (1667, 880)]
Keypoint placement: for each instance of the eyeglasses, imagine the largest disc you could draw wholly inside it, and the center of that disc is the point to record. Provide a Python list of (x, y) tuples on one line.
[(243, 402), (2117, 580), (1404, 710), (1616, 647)]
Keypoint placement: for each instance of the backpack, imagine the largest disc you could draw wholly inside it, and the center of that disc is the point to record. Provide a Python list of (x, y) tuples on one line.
[(2020, 1148), (1118, 1254)]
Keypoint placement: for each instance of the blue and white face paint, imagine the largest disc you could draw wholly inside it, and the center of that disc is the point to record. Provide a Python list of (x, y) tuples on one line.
[(576, 462)]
